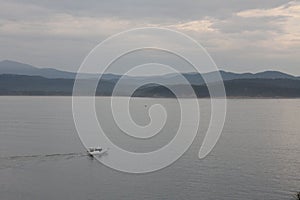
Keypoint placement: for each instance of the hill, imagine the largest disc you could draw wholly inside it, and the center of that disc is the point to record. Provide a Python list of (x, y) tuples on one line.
[(37, 85), (17, 68)]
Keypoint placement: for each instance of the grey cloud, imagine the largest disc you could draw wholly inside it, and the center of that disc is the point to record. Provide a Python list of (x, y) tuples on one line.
[(152, 10), (36, 32), (236, 24)]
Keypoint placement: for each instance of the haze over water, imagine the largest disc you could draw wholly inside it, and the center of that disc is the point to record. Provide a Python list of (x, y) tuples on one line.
[(257, 156)]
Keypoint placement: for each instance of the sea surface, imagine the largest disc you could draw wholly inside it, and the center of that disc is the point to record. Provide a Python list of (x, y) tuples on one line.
[(42, 157)]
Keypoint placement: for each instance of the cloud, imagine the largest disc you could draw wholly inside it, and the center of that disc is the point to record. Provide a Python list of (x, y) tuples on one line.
[(64, 25), (291, 9), (199, 26), (259, 32), (286, 18)]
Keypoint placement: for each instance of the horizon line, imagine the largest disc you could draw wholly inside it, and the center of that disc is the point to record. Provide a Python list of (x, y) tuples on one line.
[(220, 70)]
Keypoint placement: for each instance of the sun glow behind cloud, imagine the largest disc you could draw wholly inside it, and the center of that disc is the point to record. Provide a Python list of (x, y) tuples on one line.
[(199, 26), (287, 16)]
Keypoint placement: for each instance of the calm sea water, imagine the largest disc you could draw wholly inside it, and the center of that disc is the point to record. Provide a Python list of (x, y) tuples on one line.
[(257, 156)]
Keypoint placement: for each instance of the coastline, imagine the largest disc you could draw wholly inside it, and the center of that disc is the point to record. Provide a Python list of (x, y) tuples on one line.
[(137, 97)]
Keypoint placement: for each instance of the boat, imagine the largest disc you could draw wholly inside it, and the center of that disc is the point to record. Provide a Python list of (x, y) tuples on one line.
[(96, 151)]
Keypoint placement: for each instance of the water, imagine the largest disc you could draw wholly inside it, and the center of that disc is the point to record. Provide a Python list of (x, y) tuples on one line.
[(257, 156)]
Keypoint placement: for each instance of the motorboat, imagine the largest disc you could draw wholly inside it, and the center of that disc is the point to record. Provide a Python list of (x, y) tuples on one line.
[(96, 151)]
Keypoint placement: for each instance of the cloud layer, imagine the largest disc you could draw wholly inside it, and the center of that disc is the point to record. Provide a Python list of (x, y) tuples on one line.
[(240, 35)]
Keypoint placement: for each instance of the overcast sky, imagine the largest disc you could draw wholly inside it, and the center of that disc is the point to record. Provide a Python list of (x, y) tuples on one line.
[(240, 35)]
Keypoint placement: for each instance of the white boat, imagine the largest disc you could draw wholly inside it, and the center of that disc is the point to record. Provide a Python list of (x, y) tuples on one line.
[(96, 151)]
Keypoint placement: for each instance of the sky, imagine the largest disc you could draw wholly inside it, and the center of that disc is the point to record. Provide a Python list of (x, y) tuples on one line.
[(240, 35)]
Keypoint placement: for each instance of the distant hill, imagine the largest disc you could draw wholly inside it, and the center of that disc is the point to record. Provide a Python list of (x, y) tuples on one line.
[(12, 67), (248, 88), (17, 68), (36, 85), (22, 79)]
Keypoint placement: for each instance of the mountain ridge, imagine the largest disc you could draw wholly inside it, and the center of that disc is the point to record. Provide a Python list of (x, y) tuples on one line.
[(14, 80), (18, 68), (246, 88)]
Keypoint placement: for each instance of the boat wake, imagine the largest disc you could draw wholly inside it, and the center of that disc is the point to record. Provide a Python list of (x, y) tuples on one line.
[(21, 160), (43, 155)]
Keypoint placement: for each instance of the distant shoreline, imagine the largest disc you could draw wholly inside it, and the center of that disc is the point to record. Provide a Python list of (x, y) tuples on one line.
[(237, 97), (20, 85)]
